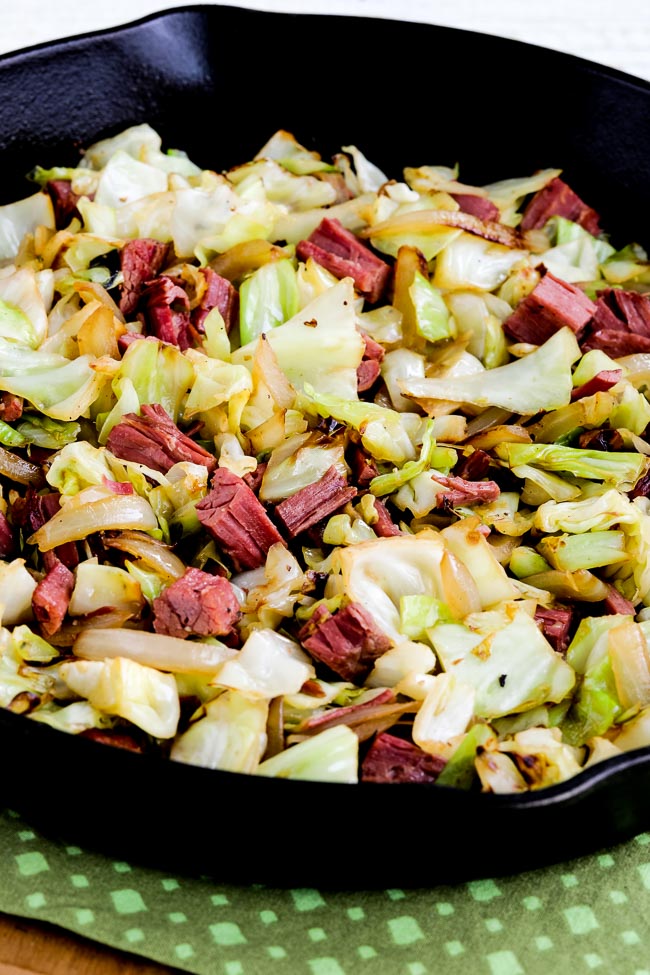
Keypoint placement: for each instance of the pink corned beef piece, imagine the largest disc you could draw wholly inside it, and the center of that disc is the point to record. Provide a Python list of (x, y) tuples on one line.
[(599, 383), (31, 513), (458, 490), (344, 255), (51, 597), (478, 206), (11, 407), (219, 293), (474, 467), (555, 625), (392, 759), (237, 521), (313, 503), (362, 466), (621, 323), (348, 642), (551, 305), (197, 603), (617, 342), (64, 200), (141, 260), (368, 372), (615, 602), (557, 199), (165, 308), (369, 368), (384, 527), (154, 439)]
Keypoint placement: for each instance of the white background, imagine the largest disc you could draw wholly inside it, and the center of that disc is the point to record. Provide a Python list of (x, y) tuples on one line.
[(611, 32)]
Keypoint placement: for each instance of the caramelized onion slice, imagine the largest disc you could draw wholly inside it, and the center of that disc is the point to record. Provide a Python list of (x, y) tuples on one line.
[(18, 469), (73, 523), (156, 554), (153, 650)]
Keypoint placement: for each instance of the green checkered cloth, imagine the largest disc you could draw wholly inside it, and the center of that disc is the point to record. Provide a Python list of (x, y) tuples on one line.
[(587, 914)]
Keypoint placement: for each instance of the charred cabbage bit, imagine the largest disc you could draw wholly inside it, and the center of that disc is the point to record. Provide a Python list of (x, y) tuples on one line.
[(352, 465)]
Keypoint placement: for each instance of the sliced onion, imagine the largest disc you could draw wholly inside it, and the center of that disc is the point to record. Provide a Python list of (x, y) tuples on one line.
[(247, 256), (18, 469), (421, 221), (90, 290), (505, 433), (488, 418), (275, 728), (154, 553), (105, 618), (71, 524), (153, 650), (460, 590), (98, 334), (266, 367)]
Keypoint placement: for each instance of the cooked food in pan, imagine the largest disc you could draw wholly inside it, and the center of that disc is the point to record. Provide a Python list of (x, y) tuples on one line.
[(314, 471)]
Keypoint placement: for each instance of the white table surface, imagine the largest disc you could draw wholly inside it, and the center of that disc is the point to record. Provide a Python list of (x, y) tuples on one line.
[(611, 32)]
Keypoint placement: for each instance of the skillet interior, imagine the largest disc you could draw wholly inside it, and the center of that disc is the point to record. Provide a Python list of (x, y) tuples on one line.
[(209, 81)]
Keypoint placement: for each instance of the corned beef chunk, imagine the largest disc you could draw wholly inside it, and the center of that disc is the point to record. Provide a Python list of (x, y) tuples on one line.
[(127, 338), (51, 597), (237, 521), (632, 306), (64, 200), (557, 199), (219, 293), (555, 625), (255, 478), (31, 513), (478, 206), (313, 503), (11, 407), (616, 342), (141, 260), (154, 439), (197, 603), (118, 487), (384, 527), (368, 372), (7, 540), (621, 323), (474, 467), (458, 490), (369, 368), (165, 309), (551, 305), (347, 642), (362, 466), (373, 350), (617, 603), (391, 759), (599, 383), (617, 312), (344, 255)]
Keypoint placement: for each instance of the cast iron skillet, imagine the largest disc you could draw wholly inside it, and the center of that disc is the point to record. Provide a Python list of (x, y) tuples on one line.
[(217, 82)]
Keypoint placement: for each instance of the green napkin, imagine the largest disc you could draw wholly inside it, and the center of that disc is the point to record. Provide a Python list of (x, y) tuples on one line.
[(585, 915)]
